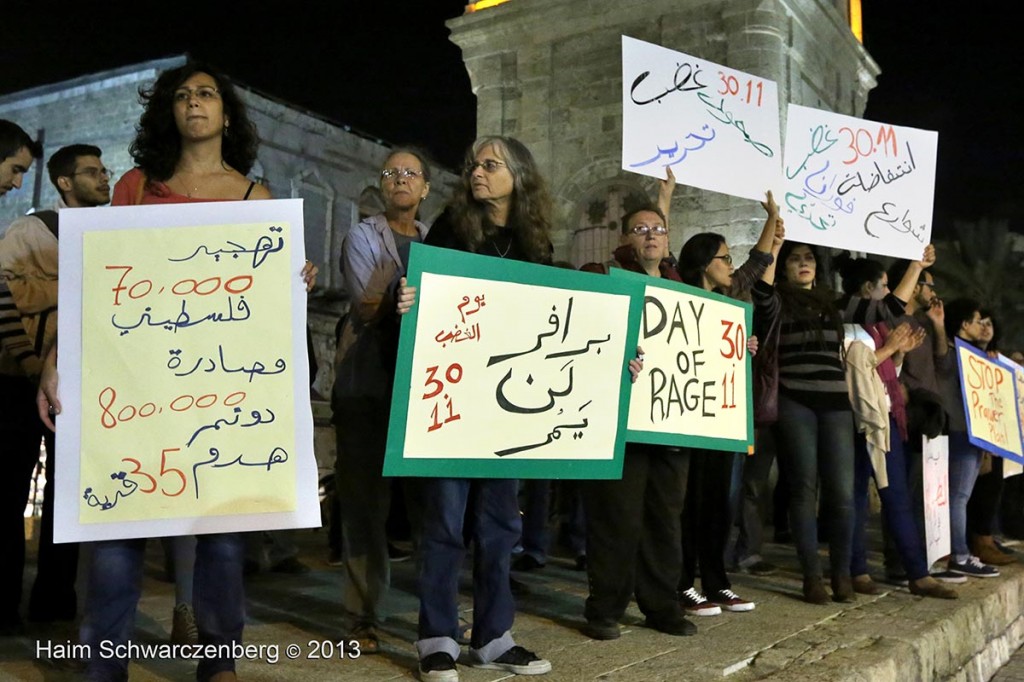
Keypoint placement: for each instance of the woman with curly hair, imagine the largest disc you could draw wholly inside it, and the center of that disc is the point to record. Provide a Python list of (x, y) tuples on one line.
[(501, 209), (194, 143)]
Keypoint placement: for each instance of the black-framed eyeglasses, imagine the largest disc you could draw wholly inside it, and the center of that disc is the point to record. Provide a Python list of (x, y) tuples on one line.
[(405, 173), (490, 166), (727, 258), (95, 173), (643, 230)]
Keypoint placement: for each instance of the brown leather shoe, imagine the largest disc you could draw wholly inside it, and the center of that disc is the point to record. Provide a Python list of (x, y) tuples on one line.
[(863, 584), (814, 591), (842, 589), (932, 588), (984, 547)]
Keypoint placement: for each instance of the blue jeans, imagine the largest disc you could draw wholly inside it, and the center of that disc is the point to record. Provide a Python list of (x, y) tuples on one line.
[(896, 508), (964, 464), (818, 444), (496, 527), (115, 583), (536, 507)]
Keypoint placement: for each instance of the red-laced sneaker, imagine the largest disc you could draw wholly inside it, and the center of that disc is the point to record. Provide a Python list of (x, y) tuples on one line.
[(696, 604), (730, 601)]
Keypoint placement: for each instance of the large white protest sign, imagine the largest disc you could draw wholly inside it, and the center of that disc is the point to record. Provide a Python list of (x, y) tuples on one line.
[(183, 372), (716, 127), (935, 472), (858, 185)]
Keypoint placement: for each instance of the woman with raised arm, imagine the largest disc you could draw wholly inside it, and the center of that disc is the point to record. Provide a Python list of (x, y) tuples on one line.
[(870, 313), (814, 417), (194, 143), (705, 262)]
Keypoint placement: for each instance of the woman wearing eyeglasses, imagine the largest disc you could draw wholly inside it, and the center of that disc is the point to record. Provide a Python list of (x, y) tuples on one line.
[(501, 209), (194, 143), (372, 259), (705, 262)]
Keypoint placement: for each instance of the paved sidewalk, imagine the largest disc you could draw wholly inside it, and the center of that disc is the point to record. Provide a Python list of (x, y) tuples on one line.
[(892, 637)]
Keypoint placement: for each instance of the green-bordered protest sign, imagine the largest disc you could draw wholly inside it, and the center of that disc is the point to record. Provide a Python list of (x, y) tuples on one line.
[(696, 388), (511, 370)]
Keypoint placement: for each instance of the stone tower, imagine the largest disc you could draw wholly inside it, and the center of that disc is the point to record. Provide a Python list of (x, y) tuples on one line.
[(549, 73)]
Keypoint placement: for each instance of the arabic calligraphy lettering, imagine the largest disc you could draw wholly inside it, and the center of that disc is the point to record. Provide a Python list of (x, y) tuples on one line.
[(260, 251)]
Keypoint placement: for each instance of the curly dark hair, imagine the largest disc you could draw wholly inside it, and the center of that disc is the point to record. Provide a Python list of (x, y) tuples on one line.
[(157, 144), (696, 255), (530, 214)]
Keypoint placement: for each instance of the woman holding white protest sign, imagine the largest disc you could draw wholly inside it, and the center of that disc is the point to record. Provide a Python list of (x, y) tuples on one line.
[(194, 144)]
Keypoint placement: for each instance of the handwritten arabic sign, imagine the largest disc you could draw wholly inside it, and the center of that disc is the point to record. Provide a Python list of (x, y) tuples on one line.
[(989, 391), (695, 389), (511, 370), (858, 185), (183, 371), (935, 472), (716, 127)]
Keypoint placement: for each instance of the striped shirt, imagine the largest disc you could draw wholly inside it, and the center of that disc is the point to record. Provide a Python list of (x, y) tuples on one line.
[(811, 368), (12, 334)]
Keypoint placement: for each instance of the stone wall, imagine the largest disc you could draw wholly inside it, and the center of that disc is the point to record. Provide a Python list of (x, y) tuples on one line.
[(549, 73), (301, 155)]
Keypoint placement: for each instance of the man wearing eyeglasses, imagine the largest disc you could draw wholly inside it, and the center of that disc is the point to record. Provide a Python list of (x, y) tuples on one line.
[(28, 258)]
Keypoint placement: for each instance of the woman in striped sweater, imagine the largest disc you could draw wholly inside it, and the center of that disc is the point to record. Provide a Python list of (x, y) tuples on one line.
[(815, 421)]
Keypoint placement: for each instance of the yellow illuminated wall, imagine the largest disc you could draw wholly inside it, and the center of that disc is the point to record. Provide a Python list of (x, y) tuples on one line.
[(483, 4)]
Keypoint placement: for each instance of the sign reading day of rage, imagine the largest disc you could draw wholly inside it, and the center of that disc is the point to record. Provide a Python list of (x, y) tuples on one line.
[(511, 370), (183, 369), (695, 389), (717, 128), (858, 185), (989, 391)]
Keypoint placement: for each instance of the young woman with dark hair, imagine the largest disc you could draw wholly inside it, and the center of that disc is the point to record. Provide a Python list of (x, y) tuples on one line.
[(871, 312), (184, 155), (705, 262), (814, 417)]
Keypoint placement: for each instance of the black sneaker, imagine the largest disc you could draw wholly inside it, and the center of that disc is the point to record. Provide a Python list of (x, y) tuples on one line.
[(438, 667), (518, 661)]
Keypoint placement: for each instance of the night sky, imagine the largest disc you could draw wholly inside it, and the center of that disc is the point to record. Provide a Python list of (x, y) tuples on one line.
[(388, 70)]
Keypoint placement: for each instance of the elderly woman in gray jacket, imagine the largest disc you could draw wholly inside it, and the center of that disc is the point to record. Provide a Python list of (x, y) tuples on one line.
[(373, 258)]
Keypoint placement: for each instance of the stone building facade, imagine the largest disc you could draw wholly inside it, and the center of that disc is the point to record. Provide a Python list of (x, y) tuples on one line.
[(549, 73), (301, 155)]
